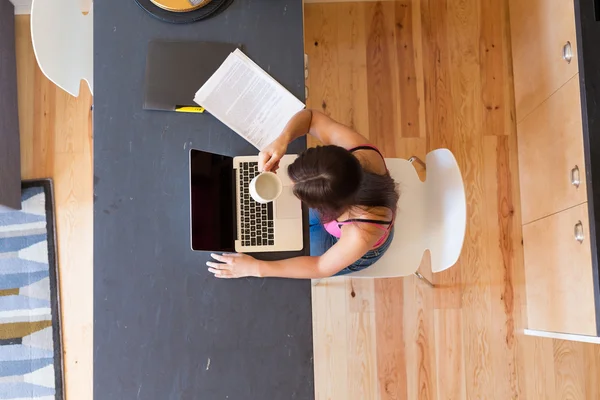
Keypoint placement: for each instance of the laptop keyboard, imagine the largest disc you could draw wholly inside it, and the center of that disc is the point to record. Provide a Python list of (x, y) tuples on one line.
[(257, 219)]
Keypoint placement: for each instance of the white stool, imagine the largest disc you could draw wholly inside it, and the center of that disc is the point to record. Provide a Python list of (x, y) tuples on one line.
[(62, 40)]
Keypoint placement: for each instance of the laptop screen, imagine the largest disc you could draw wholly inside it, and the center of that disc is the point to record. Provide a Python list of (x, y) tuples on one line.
[(212, 202)]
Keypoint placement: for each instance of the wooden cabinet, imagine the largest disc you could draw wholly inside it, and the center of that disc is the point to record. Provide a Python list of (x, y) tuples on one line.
[(560, 283), (558, 273), (551, 159), (542, 32)]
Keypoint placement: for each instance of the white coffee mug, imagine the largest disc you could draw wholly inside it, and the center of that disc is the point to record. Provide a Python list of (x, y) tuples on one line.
[(265, 187)]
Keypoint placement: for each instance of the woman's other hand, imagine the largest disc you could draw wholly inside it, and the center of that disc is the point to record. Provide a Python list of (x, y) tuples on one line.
[(235, 265), (268, 158)]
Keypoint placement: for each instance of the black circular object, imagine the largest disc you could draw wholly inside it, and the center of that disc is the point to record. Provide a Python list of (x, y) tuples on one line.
[(210, 10)]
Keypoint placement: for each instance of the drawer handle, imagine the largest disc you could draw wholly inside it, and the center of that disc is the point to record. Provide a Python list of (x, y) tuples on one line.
[(575, 179), (567, 52), (579, 232)]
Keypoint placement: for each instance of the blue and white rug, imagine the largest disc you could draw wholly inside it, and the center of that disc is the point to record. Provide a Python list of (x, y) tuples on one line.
[(30, 342)]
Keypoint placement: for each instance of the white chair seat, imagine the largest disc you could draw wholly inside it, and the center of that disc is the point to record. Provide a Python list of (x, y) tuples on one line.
[(62, 38), (431, 215)]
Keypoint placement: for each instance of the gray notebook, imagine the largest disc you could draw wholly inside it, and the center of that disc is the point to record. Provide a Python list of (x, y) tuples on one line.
[(176, 69)]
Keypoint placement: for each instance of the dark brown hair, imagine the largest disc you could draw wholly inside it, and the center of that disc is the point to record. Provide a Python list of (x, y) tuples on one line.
[(331, 180)]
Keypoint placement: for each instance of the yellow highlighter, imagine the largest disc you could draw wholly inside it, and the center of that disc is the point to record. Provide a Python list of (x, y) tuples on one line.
[(189, 109)]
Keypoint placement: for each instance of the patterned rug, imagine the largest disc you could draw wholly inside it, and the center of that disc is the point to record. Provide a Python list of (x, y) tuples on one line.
[(30, 342)]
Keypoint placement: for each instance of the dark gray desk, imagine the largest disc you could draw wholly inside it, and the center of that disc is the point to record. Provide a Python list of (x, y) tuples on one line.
[(164, 328)]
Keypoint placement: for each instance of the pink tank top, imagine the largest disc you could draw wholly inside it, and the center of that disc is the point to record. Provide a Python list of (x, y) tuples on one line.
[(335, 227)]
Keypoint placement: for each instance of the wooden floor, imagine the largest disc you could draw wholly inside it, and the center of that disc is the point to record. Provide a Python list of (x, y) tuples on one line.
[(56, 142), (413, 76)]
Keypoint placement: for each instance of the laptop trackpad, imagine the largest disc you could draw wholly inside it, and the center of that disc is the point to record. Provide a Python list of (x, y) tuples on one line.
[(288, 205)]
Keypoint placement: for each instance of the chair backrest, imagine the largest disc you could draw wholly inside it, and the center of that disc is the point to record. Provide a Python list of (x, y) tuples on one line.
[(63, 42), (430, 215), (446, 209)]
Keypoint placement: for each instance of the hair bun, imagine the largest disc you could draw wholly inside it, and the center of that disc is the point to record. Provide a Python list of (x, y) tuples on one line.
[(327, 178)]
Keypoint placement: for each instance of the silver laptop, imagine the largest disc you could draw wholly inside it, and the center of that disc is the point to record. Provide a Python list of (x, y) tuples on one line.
[(225, 218)]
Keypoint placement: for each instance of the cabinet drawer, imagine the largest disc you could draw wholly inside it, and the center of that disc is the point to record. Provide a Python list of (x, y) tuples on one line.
[(551, 157), (540, 29), (558, 273)]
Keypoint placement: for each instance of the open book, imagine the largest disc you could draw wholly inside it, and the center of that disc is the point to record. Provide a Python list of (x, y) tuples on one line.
[(248, 100)]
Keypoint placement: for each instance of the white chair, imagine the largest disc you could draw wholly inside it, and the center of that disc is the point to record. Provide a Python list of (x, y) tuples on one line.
[(431, 215), (62, 39)]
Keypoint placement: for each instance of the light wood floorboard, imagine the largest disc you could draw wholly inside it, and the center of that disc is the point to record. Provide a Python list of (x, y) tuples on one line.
[(413, 76)]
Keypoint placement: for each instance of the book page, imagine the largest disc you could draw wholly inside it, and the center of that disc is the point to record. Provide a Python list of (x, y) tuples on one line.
[(248, 100)]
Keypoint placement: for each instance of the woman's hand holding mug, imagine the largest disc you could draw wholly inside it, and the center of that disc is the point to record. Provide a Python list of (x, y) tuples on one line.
[(268, 158)]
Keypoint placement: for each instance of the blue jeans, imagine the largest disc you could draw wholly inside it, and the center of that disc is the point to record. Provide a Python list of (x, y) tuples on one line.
[(321, 241)]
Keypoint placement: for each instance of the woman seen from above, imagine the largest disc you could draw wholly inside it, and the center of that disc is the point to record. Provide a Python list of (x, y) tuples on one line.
[(351, 196)]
